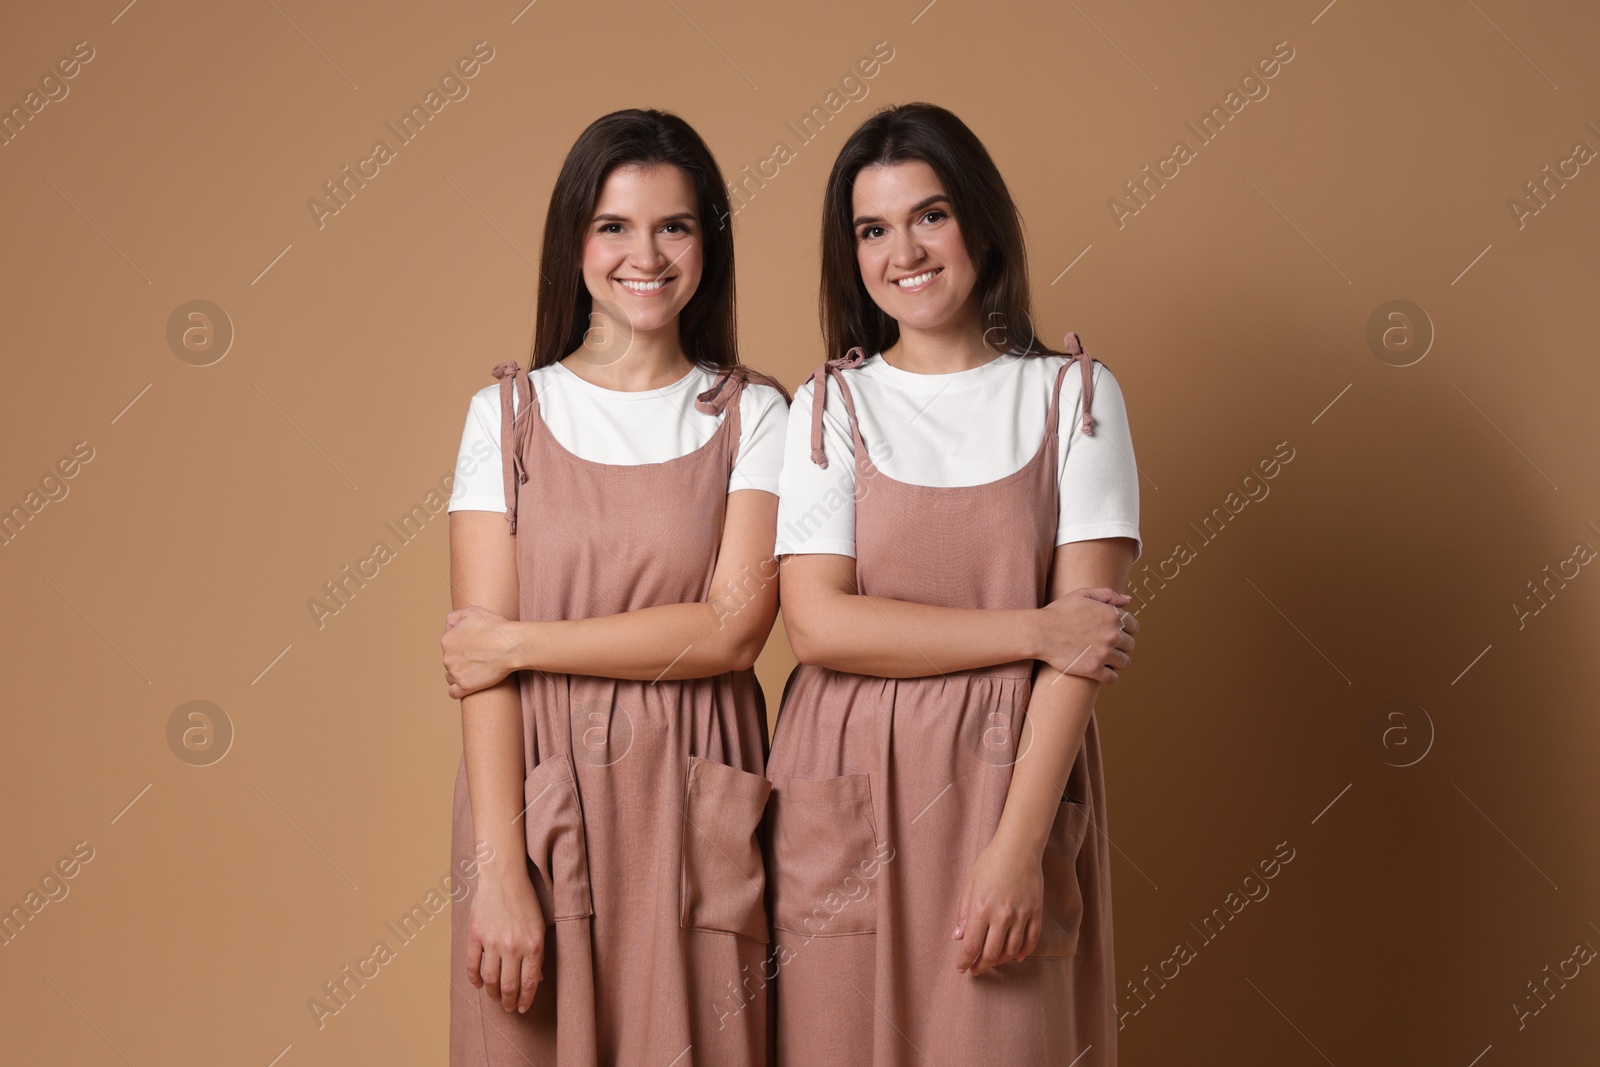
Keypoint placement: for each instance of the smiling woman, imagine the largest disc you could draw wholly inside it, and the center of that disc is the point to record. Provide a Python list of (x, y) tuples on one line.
[(612, 576), (1001, 518)]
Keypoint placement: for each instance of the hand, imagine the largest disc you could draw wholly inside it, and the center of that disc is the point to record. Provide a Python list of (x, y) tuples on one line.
[(505, 941), (478, 649), (1088, 634), (1001, 914)]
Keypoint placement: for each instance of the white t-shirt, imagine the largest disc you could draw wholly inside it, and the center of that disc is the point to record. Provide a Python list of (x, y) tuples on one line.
[(967, 428), (625, 428)]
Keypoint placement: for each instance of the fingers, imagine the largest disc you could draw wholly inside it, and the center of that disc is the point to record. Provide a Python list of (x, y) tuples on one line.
[(1030, 940), (994, 949), (972, 942), (510, 980), (489, 972), (474, 959), (532, 968)]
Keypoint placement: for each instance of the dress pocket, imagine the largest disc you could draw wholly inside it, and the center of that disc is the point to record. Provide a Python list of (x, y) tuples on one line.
[(825, 856), (554, 822), (724, 877), (1063, 895)]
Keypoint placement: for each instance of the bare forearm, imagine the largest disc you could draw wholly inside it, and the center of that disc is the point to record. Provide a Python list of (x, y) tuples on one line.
[(491, 737), (900, 639), (1058, 712), (665, 641)]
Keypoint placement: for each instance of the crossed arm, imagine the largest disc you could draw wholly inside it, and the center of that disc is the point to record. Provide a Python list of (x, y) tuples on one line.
[(1081, 637), (483, 644)]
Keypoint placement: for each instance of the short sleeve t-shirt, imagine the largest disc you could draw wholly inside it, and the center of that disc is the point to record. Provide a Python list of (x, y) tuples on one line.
[(625, 428), (967, 428)]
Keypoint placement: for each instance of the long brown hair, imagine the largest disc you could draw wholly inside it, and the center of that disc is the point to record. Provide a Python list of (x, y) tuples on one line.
[(706, 326), (991, 228)]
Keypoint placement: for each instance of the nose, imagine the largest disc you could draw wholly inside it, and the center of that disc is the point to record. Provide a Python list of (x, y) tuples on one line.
[(646, 254), (905, 251)]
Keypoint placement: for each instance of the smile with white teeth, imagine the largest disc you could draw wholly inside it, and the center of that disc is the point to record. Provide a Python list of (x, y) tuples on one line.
[(916, 279), (644, 287)]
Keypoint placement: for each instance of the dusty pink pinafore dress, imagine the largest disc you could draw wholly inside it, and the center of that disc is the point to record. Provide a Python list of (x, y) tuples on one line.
[(644, 799), (885, 790)]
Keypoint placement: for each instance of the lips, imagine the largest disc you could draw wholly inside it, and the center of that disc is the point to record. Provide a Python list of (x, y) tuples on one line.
[(915, 282), (644, 286)]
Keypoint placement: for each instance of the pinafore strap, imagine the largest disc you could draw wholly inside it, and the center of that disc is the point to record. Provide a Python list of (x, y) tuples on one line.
[(1077, 354), (724, 395), (819, 397), (513, 431)]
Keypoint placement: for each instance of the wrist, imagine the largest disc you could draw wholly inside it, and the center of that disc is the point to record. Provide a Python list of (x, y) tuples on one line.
[(524, 639), (1032, 635), (1015, 836)]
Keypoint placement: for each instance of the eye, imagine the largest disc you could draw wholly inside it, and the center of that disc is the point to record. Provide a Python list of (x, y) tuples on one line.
[(610, 227), (678, 227), (933, 215), (869, 233)]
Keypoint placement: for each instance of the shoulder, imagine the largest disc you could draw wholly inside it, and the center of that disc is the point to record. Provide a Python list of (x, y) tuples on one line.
[(1048, 367)]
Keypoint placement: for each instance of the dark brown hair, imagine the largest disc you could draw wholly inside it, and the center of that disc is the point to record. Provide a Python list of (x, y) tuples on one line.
[(990, 225), (645, 138)]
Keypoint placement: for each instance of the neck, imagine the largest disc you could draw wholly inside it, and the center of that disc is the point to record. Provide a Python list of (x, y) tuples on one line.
[(616, 356), (952, 346)]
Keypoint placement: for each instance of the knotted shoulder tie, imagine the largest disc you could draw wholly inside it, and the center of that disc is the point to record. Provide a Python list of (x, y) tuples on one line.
[(513, 431), (1075, 351), (819, 397), (715, 399)]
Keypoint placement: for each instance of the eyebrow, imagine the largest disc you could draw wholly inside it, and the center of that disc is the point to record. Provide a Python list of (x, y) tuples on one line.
[(919, 206), (679, 217)]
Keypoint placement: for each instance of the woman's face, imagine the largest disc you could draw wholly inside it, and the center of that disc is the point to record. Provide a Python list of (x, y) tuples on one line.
[(643, 253), (909, 249)]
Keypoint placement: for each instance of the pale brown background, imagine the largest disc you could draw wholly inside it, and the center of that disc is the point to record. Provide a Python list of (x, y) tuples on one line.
[(1233, 309)]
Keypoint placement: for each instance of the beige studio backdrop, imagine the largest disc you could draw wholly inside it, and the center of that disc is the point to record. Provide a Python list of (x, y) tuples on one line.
[(1369, 272)]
